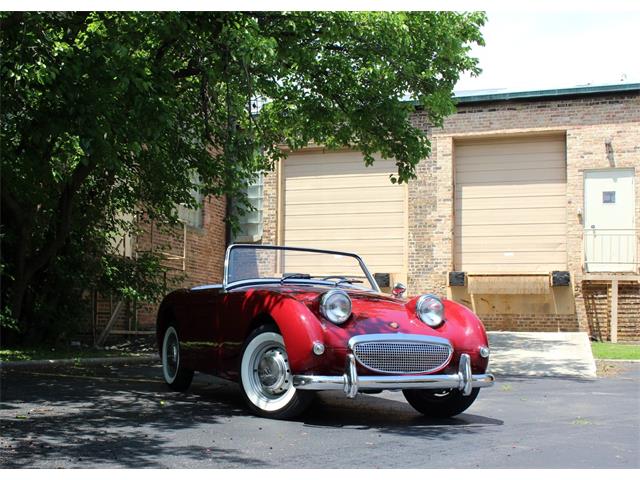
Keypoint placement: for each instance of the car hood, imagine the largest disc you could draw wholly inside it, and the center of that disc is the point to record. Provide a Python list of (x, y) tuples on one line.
[(375, 313), (372, 312), (310, 294)]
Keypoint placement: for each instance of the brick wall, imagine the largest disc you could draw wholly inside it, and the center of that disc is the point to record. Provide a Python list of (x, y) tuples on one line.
[(585, 120), (204, 263), (270, 207), (530, 323), (597, 302)]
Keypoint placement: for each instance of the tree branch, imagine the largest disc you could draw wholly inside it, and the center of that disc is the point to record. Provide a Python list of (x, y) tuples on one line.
[(12, 204), (58, 235), (11, 20), (162, 50), (187, 72)]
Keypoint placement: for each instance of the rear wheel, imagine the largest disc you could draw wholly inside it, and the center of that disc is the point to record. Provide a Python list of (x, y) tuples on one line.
[(266, 378), (440, 403), (177, 377)]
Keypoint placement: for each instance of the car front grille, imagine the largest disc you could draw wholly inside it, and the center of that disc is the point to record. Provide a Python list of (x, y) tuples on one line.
[(402, 357)]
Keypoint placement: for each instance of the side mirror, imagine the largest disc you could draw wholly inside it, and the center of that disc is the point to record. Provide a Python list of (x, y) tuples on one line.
[(398, 290)]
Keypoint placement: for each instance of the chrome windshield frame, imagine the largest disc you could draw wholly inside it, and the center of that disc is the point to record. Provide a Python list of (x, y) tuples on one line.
[(261, 281)]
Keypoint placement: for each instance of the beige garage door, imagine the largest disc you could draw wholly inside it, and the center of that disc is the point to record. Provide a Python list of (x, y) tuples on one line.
[(332, 201), (510, 205)]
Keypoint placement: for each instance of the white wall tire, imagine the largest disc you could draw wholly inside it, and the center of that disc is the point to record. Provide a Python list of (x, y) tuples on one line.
[(175, 375), (266, 378)]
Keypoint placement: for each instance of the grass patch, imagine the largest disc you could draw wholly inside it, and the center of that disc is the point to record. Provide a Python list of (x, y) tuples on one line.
[(582, 421), (615, 351), (14, 354)]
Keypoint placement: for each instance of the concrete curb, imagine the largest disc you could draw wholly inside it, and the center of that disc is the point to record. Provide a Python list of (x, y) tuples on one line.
[(81, 361), (616, 360)]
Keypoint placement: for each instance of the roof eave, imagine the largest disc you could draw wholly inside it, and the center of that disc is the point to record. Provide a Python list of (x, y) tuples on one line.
[(540, 94)]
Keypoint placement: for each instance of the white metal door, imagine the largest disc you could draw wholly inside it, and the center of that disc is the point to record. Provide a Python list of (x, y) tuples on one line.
[(610, 237)]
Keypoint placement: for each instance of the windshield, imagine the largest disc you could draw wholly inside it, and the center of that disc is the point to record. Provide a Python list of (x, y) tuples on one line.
[(266, 263)]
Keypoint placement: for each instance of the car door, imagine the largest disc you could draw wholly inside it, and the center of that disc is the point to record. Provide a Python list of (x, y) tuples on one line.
[(199, 323)]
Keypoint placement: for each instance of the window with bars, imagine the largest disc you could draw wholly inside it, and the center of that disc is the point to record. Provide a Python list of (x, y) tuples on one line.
[(193, 217), (250, 223)]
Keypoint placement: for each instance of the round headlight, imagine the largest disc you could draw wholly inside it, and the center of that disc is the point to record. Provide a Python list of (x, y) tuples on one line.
[(335, 306), (430, 310)]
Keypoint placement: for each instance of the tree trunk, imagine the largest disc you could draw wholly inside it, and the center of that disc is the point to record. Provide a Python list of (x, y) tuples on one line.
[(31, 262), (16, 298), (21, 223)]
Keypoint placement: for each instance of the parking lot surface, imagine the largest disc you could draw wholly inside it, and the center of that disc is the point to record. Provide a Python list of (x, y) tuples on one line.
[(124, 416)]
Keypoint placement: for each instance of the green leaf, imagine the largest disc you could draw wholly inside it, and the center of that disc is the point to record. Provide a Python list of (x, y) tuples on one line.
[(109, 114)]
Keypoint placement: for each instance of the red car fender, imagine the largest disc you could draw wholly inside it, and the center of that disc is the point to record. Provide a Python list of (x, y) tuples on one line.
[(300, 329), (469, 333), (463, 329)]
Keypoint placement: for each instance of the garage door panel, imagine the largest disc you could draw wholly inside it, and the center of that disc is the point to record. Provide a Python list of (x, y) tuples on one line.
[(317, 265), (506, 191), (381, 258), (341, 233), (547, 243), (493, 160), (339, 181), (514, 268), (512, 147), (351, 208), (522, 230), (365, 247), (345, 194), (510, 205), (492, 203), (303, 168), (511, 216), (497, 165), (364, 220), (513, 258), (333, 201), (511, 176)]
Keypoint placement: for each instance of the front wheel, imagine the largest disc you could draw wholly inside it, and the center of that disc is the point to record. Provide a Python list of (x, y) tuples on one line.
[(266, 378), (440, 403), (177, 377)]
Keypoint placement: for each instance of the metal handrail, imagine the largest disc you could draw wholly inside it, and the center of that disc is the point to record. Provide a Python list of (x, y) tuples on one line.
[(615, 247), (612, 229)]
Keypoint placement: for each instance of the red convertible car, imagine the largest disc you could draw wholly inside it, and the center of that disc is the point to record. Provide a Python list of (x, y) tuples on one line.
[(287, 322)]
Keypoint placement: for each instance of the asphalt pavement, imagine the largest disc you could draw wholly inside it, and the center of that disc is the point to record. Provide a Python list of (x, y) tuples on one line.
[(124, 416)]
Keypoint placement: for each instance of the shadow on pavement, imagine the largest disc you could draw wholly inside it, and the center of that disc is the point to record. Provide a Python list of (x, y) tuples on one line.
[(370, 412), (100, 420), (125, 416)]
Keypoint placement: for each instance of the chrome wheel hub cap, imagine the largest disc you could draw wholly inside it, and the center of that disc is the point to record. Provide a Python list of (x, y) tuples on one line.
[(273, 372), (172, 355)]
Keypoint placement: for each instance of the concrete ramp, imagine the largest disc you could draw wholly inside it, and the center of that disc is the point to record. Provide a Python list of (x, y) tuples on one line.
[(541, 354)]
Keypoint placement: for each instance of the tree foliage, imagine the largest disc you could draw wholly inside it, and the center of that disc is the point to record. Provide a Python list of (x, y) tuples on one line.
[(105, 114)]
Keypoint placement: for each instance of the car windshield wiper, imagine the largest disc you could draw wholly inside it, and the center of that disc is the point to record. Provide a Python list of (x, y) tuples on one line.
[(340, 279), (304, 276)]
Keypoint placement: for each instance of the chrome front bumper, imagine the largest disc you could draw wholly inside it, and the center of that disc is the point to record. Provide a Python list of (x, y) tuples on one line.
[(350, 382)]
